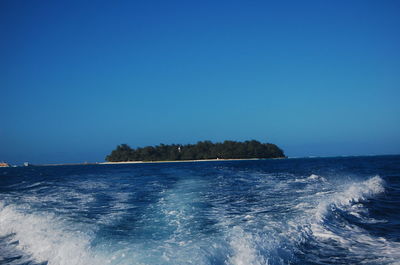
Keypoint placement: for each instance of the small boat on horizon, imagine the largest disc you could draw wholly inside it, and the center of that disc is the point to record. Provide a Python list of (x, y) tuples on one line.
[(4, 164)]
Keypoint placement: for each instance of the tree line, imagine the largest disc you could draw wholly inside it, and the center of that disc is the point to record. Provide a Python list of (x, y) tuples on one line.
[(201, 150)]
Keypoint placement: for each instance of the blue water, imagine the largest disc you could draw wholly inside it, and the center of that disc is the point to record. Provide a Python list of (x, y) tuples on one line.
[(291, 211)]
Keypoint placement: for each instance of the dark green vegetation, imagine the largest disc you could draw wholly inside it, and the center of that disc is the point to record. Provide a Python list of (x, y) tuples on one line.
[(201, 150)]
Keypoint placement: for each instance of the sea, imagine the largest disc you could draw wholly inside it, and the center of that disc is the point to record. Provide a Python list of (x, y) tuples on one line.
[(338, 210)]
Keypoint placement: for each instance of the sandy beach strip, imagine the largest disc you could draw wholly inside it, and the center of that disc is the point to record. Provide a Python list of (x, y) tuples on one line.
[(176, 161)]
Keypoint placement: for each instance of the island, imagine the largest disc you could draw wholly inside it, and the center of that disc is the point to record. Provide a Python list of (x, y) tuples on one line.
[(203, 150)]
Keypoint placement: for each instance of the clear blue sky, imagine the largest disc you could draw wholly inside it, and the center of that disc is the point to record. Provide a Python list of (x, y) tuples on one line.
[(315, 77)]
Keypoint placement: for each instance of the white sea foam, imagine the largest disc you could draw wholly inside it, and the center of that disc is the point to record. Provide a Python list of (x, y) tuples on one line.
[(316, 177), (261, 246), (310, 179), (352, 194), (351, 237), (47, 238), (244, 249), (256, 236)]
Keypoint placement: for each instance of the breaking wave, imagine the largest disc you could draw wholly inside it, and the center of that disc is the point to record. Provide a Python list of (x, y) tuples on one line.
[(44, 238)]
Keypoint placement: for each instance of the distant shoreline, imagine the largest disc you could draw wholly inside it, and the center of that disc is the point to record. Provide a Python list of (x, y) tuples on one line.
[(145, 162), (185, 161), (198, 160)]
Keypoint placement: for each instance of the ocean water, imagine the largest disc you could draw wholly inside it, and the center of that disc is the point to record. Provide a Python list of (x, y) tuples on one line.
[(292, 211)]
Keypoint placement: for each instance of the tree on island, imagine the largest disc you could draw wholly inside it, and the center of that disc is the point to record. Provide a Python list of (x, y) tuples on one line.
[(199, 151)]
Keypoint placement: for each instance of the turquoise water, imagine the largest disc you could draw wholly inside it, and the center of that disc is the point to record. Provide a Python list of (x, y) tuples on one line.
[(292, 211)]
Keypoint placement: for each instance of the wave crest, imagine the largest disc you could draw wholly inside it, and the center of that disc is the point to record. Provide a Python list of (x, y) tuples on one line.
[(354, 193), (46, 238)]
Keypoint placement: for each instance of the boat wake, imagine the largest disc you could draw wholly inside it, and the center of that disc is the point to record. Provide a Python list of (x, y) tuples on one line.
[(247, 218)]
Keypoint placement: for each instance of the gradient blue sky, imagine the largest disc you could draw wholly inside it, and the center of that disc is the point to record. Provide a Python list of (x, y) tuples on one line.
[(315, 77)]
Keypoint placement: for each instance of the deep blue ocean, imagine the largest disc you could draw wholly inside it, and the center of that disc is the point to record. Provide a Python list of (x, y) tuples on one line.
[(343, 210)]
